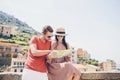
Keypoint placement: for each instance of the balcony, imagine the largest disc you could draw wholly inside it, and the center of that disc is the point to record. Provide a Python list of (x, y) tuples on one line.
[(84, 76)]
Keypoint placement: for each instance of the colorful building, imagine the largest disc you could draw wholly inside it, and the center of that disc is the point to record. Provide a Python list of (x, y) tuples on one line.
[(108, 65), (87, 68), (73, 56), (8, 48), (83, 53), (17, 64), (6, 30)]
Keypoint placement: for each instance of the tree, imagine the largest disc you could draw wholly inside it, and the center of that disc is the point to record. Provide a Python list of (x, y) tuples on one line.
[(82, 60)]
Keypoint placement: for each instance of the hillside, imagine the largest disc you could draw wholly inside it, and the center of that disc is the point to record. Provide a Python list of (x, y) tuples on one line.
[(7, 19), (23, 32)]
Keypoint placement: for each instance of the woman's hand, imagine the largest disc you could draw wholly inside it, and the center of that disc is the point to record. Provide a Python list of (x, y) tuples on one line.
[(52, 54), (69, 55)]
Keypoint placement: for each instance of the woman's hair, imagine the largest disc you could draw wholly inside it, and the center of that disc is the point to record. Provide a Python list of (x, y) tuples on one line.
[(63, 41)]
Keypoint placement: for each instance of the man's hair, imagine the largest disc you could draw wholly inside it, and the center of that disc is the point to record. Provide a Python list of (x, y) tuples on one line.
[(46, 29)]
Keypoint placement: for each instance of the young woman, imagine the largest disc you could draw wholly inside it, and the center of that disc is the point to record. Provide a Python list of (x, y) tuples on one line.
[(60, 68)]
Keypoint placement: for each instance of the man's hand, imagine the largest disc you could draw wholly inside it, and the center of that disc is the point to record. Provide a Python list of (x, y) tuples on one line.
[(52, 54)]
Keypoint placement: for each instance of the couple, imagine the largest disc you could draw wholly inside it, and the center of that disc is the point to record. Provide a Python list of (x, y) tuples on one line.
[(39, 64)]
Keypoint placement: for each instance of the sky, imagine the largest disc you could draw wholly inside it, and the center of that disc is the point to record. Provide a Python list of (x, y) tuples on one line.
[(93, 25)]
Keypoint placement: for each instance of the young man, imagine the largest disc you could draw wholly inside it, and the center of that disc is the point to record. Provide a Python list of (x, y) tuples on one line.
[(35, 65)]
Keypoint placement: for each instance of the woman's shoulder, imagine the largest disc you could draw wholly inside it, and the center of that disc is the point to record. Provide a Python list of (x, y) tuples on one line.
[(68, 45)]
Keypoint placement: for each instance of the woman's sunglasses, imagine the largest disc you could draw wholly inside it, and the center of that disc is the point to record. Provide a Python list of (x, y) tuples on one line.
[(60, 36)]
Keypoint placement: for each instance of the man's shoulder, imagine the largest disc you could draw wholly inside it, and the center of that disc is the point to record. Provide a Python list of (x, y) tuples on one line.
[(35, 37)]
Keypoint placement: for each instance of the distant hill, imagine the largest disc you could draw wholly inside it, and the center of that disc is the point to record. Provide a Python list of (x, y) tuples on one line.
[(6, 19), (23, 32)]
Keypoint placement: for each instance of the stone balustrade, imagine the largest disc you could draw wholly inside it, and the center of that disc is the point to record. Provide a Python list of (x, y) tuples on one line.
[(84, 76)]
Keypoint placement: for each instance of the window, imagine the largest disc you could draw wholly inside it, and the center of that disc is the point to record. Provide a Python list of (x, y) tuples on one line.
[(1, 47), (15, 50), (72, 55), (85, 69), (21, 70), (14, 63), (6, 48), (15, 70), (23, 63), (9, 49), (72, 59), (2, 27), (20, 63)]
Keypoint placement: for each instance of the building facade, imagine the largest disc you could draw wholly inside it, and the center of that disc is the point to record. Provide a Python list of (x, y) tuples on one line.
[(17, 64), (73, 56), (108, 65), (87, 68), (6, 30), (9, 48), (83, 53)]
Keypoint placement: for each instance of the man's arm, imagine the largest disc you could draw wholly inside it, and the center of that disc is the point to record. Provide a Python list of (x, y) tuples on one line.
[(36, 52)]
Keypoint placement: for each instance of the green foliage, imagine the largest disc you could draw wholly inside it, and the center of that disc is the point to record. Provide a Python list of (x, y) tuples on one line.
[(25, 48), (82, 60)]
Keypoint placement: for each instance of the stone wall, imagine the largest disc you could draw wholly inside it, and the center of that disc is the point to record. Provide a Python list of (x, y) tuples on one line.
[(10, 76), (84, 76)]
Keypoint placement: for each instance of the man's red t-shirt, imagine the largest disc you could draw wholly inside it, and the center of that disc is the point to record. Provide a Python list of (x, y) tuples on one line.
[(37, 63)]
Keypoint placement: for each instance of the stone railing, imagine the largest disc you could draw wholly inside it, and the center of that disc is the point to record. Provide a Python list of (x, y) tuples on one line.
[(84, 76)]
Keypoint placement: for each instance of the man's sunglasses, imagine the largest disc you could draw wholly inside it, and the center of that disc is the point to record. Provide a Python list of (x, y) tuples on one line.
[(49, 36)]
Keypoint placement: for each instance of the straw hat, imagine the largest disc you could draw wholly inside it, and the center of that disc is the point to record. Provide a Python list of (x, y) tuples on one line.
[(61, 31)]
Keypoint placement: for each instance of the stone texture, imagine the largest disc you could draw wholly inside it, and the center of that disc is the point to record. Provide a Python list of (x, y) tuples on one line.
[(10, 76), (101, 76), (84, 76)]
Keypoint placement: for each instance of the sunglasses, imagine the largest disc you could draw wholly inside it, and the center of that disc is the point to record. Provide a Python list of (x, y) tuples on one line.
[(49, 36), (60, 36)]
